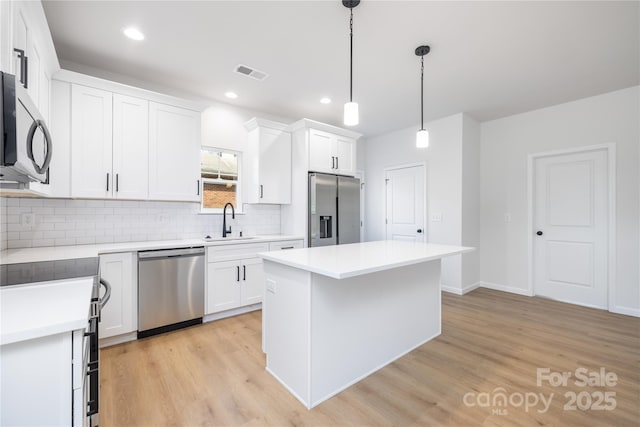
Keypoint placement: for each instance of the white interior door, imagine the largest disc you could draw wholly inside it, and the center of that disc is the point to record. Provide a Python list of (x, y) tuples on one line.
[(571, 228), (405, 203)]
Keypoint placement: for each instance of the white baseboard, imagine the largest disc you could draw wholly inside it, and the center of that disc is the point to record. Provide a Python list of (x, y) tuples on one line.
[(504, 288), (459, 291), (118, 339), (232, 312), (635, 312)]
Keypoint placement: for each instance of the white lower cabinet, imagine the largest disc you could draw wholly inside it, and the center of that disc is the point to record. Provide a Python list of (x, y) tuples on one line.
[(234, 276), (45, 379), (120, 314)]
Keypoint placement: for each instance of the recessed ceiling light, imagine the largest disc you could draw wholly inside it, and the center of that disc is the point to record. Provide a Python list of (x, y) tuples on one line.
[(231, 95), (133, 33), (325, 100)]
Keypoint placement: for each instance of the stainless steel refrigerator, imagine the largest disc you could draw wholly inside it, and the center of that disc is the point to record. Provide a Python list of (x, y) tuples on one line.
[(334, 210)]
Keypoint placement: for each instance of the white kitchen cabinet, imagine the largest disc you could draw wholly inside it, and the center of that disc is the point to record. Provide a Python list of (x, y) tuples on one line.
[(223, 281), (91, 142), (331, 153), (234, 276), (109, 144), (267, 163), (119, 315), (174, 153), (44, 374), (252, 288), (286, 244), (130, 147)]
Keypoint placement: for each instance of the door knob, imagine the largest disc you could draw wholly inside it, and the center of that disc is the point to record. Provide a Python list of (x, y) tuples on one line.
[(419, 230), (539, 233)]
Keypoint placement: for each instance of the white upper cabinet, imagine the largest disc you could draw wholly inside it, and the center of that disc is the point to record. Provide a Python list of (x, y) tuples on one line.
[(174, 153), (322, 155), (24, 27), (331, 152), (345, 155), (109, 144), (267, 163), (130, 147), (91, 142)]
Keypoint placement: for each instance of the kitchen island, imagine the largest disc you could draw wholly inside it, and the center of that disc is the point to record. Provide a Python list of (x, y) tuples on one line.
[(333, 315)]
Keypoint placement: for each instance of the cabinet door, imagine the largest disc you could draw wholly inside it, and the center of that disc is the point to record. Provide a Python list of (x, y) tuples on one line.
[(130, 147), (275, 166), (321, 151), (174, 153), (345, 156), (224, 280), (119, 316), (91, 133), (252, 281)]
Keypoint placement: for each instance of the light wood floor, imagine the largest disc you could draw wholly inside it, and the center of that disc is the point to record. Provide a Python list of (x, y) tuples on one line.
[(214, 374)]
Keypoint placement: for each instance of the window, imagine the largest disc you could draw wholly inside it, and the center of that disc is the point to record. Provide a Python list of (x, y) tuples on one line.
[(219, 171)]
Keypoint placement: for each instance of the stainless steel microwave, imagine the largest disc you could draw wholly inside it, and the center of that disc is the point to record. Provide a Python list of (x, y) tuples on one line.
[(26, 144)]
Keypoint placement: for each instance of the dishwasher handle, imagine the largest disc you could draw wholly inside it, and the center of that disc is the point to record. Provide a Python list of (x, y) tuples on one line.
[(170, 253)]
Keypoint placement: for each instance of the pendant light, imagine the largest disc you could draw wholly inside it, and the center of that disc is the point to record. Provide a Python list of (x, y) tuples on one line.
[(422, 137), (351, 116)]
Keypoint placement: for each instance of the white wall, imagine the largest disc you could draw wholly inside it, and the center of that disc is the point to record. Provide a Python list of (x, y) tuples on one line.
[(444, 161), (506, 143), (223, 125), (470, 201)]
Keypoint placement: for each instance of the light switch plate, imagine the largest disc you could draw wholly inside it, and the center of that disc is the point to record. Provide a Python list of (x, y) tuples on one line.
[(507, 217), (436, 217), (271, 286)]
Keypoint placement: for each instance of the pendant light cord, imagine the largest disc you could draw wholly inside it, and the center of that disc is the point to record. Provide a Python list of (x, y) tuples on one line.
[(351, 58), (422, 93)]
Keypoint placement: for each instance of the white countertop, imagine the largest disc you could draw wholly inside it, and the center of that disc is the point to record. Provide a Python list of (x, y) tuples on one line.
[(43, 309), (50, 253), (343, 261)]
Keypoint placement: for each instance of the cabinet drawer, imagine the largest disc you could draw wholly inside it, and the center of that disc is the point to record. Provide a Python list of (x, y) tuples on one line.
[(236, 251), (285, 244)]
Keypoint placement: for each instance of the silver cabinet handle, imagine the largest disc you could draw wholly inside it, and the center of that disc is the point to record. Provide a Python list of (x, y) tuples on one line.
[(107, 181), (198, 190), (261, 191), (244, 272), (117, 183), (333, 162), (337, 162), (237, 273)]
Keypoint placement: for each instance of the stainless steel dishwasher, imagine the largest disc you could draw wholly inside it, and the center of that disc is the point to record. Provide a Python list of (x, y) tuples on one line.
[(170, 289)]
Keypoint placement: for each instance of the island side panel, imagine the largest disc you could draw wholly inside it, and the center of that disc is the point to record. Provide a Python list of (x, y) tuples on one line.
[(360, 324), (286, 327)]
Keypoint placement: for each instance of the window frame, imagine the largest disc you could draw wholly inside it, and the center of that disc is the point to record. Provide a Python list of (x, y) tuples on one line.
[(238, 206)]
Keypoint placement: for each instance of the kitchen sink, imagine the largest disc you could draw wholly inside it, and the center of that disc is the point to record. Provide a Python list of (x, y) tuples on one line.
[(221, 239)]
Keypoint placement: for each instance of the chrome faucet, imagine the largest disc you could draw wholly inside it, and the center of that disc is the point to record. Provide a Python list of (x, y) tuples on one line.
[(224, 219)]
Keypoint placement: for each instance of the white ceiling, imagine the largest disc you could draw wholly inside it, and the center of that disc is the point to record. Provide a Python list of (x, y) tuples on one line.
[(489, 59)]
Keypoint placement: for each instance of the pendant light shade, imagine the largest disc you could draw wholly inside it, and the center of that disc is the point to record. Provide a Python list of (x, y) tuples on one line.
[(351, 116), (351, 112), (422, 137)]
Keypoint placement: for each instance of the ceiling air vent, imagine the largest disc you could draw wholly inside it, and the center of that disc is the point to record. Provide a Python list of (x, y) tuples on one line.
[(251, 72)]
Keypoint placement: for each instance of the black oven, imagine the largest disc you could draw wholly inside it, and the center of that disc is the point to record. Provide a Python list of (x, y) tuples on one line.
[(92, 384)]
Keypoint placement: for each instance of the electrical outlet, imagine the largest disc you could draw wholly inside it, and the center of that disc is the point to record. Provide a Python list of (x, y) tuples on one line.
[(271, 286), (163, 218), (436, 217), (507, 217), (28, 220)]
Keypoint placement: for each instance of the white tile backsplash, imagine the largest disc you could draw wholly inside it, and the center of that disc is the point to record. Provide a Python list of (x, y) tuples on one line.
[(61, 222)]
